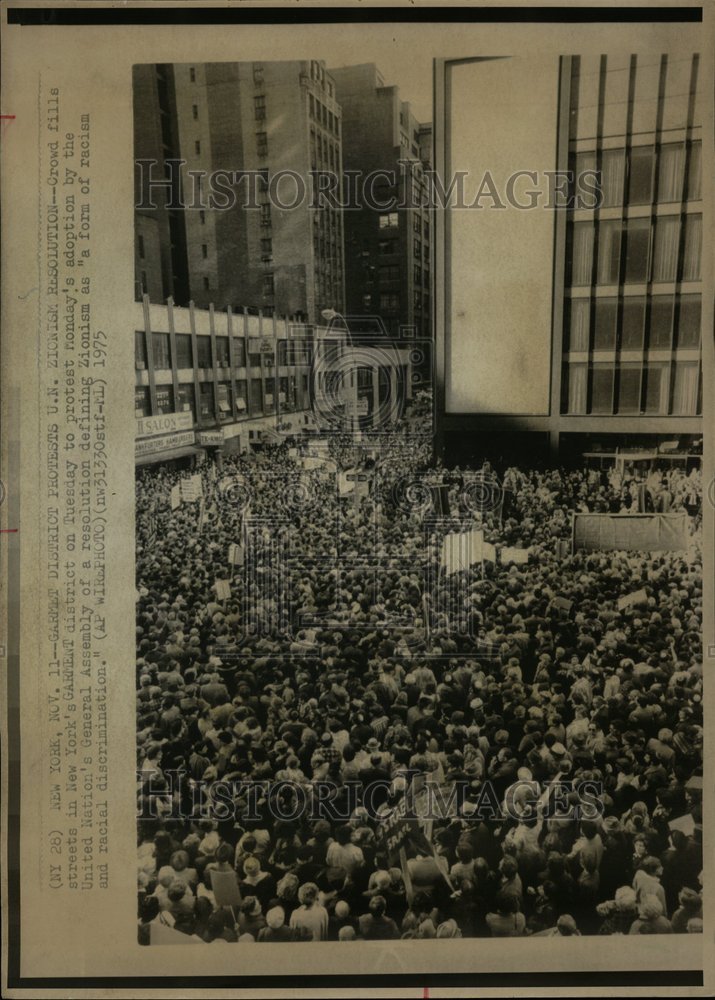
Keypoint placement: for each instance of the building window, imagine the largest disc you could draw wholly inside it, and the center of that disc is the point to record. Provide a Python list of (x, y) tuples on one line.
[(632, 322), (164, 399), (222, 355), (206, 283), (197, 147), (259, 105), (241, 396), (656, 388), (262, 143), (609, 252), (195, 111), (187, 401), (578, 376), (202, 217), (389, 302), (665, 248), (256, 401), (688, 322), (388, 273), (629, 388), (604, 332), (239, 353), (203, 350), (183, 351), (637, 249), (602, 377), (660, 326), (257, 73), (140, 242), (204, 250), (640, 175), (268, 288), (266, 245), (387, 246), (613, 162), (225, 405), (695, 172), (685, 389), (388, 220), (581, 256), (192, 75), (206, 401), (692, 247), (142, 401), (366, 301), (160, 351), (265, 215)]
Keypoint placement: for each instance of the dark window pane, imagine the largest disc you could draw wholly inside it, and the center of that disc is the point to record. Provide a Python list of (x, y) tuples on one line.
[(164, 399), (661, 322), (604, 334), (142, 402), (629, 389), (640, 180), (139, 349), (692, 247), (637, 244), (695, 171), (688, 322), (632, 324), (222, 351), (187, 402), (206, 400), (602, 389), (183, 350), (203, 349), (581, 253)]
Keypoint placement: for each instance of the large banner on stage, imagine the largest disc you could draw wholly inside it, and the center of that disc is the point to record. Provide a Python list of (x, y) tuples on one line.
[(642, 532)]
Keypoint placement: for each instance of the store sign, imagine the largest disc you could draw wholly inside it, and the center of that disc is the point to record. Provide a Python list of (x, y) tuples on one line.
[(164, 423), (167, 442), (210, 438)]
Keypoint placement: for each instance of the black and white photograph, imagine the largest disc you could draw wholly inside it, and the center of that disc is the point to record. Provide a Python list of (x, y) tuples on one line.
[(419, 494)]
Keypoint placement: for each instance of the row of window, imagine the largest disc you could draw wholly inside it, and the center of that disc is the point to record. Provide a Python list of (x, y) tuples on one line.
[(289, 352), (631, 177), (669, 251), (218, 402), (317, 73), (656, 389), (663, 322), (319, 113)]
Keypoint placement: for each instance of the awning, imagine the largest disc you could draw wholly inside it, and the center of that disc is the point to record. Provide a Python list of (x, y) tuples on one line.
[(168, 456)]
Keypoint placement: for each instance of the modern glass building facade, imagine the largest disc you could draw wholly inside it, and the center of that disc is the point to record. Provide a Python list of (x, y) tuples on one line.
[(633, 294), (617, 299)]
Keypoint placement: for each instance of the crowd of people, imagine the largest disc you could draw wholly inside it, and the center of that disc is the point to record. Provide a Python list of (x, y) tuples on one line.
[(335, 665)]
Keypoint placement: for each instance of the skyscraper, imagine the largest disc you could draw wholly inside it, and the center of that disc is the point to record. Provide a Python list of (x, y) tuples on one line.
[(387, 252), (273, 122)]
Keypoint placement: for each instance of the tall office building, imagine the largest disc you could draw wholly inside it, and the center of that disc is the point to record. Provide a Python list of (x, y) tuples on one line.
[(387, 253), (276, 121), (588, 319)]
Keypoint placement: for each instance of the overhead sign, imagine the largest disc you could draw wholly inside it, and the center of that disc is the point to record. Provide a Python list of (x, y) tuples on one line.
[(167, 442), (164, 423), (210, 438)]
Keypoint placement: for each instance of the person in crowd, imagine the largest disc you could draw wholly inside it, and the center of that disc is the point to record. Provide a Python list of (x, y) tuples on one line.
[(501, 674)]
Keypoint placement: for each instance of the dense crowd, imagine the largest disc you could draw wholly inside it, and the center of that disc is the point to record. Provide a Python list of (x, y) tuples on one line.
[(332, 665)]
